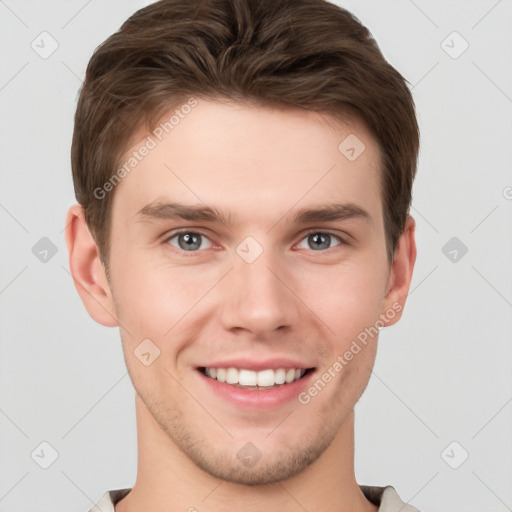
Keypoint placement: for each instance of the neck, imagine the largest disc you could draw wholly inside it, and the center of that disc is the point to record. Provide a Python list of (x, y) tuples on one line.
[(168, 480)]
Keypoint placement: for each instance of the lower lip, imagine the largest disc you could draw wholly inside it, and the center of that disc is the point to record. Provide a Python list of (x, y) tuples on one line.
[(258, 399)]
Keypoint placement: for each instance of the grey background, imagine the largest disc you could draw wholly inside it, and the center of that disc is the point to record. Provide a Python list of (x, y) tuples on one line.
[(443, 373)]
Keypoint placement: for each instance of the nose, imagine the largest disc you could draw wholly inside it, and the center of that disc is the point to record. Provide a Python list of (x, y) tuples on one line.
[(259, 297)]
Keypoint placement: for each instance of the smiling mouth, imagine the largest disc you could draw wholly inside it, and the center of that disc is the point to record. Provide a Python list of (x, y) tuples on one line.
[(255, 380)]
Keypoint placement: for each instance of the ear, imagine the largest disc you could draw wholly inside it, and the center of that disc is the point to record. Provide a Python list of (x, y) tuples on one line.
[(87, 269), (400, 274)]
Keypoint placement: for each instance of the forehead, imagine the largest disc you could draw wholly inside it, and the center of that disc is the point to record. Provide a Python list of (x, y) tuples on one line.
[(248, 157)]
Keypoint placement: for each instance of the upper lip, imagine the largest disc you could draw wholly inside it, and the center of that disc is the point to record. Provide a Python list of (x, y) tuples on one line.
[(257, 365)]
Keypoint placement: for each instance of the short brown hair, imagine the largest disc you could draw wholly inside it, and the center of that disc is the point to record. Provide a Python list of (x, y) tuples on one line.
[(304, 53)]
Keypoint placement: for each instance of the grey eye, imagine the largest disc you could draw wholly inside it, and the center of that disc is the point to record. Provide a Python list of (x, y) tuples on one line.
[(319, 240), (189, 241)]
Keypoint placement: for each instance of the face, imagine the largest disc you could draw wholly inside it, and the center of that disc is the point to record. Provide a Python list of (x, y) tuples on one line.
[(248, 281)]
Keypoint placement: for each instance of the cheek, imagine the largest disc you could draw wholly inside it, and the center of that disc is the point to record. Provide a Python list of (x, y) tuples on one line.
[(346, 298), (159, 302), (149, 298)]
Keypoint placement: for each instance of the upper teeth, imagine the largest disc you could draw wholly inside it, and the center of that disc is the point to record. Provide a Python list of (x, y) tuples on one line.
[(243, 377)]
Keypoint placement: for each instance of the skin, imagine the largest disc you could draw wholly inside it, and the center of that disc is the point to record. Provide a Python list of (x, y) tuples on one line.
[(295, 300)]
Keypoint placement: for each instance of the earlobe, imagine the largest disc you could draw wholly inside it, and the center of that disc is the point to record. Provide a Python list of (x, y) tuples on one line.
[(400, 274), (87, 269)]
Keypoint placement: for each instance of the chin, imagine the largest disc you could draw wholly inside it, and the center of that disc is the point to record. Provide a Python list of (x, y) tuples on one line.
[(267, 468)]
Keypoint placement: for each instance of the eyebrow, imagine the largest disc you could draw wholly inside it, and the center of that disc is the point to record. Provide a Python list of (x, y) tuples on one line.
[(203, 213)]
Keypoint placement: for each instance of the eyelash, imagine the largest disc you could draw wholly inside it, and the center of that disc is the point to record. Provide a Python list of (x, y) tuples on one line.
[(192, 253)]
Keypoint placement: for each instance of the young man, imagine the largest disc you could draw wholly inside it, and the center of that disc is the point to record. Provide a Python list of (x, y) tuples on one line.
[(243, 171)]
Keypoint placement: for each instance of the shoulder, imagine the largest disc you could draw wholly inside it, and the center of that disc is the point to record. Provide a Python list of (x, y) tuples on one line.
[(386, 498), (109, 499)]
